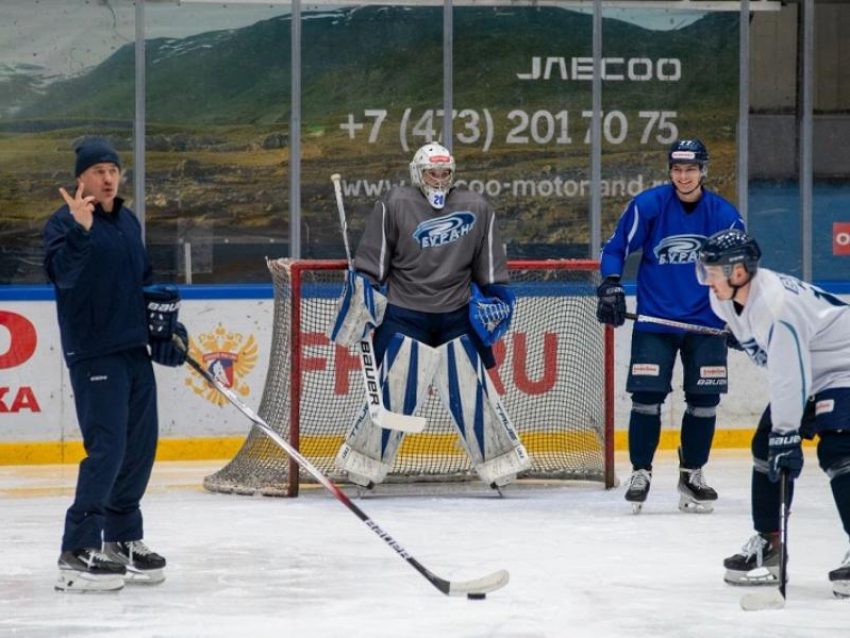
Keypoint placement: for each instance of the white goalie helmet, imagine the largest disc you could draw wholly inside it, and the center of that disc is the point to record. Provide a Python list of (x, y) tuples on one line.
[(432, 171)]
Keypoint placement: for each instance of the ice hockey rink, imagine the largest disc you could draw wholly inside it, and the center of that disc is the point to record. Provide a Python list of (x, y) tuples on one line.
[(581, 564)]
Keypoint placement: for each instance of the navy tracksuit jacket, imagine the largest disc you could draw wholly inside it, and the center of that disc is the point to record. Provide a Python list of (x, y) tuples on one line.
[(98, 276)]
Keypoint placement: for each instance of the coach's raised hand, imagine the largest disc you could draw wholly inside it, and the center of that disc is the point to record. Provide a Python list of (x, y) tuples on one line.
[(82, 208)]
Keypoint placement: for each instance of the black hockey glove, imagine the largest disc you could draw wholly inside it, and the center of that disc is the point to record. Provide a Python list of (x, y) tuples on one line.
[(168, 353), (732, 342), (163, 305), (784, 451), (611, 308)]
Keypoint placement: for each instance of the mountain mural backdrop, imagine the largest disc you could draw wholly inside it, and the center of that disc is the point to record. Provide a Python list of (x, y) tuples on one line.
[(353, 56)]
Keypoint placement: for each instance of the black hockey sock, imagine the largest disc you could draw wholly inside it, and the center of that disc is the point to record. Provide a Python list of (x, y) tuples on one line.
[(765, 503), (841, 493), (697, 435), (644, 433)]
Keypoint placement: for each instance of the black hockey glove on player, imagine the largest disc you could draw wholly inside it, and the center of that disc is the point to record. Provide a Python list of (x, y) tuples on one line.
[(784, 451), (162, 304), (611, 308), (168, 353)]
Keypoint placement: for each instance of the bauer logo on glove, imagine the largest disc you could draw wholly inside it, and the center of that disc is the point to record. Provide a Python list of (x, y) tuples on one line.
[(163, 306), (490, 312)]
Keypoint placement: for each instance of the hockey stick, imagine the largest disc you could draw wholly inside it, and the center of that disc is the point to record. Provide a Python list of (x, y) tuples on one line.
[(374, 397), (775, 598), (476, 588), (690, 327)]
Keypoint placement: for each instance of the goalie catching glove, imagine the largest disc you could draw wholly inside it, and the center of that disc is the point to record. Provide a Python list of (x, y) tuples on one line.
[(360, 308), (490, 311), (163, 305)]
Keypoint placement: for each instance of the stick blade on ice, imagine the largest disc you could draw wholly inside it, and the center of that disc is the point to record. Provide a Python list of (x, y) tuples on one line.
[(484, 585), (763, 600)]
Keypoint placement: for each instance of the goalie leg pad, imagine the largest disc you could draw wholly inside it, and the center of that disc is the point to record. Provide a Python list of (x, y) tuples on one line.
[(369, 450), (486, 431)]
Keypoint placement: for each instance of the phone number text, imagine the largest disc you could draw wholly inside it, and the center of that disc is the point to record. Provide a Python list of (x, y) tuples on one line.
[(477, 127)]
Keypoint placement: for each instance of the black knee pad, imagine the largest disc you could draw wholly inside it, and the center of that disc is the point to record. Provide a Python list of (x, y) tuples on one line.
[(647, 403), (702, 400), (649, 398)]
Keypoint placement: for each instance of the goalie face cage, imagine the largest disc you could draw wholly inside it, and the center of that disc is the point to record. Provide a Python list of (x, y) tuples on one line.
[(554, 371)]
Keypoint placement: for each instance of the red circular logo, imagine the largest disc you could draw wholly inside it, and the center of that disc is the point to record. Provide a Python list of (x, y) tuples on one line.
[(23, 339)]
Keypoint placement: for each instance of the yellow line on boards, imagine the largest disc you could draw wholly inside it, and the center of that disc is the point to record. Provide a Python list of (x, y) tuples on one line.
[(48, 452)]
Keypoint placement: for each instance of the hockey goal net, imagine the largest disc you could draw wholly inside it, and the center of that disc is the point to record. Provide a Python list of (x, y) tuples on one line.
[(554, 370)]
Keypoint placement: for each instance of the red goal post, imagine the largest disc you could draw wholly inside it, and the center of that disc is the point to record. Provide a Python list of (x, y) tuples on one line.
[(554, 370)]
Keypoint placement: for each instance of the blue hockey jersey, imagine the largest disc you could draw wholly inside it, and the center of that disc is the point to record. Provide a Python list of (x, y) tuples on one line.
[(657, 223)]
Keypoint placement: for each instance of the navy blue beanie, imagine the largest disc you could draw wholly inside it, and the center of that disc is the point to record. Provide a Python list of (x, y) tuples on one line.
[(94, 150)]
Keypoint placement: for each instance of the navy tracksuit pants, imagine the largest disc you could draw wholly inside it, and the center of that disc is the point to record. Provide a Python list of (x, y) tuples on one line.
[(115, 397)]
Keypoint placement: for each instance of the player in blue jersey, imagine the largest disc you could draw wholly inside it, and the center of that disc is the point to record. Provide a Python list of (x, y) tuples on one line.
[(669, 224)]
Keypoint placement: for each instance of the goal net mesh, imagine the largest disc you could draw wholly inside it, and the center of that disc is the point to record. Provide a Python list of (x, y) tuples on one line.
[(551, 370)]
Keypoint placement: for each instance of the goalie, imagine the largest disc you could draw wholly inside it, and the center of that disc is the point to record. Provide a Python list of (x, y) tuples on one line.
[(438, 252)]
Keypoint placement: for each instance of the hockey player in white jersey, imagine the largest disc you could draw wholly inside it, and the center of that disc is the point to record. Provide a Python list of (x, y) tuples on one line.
[(438, 252), (800, 335)]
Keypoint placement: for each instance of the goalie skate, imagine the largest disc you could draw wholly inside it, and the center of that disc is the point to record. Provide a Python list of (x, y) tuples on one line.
[(756, 564), (840, 579), (638, 489), (695, 496)]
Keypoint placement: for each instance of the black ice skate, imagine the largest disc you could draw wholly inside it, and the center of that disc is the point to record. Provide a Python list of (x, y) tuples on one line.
[(756, 564), (638, 489), (840, 579), (695, 496), (144, 567), (83, 570)]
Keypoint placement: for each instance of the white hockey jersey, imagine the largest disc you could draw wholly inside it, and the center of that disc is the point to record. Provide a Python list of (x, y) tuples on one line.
[(799, 334)]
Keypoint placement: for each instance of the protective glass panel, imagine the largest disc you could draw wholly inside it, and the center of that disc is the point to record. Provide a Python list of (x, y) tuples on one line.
[(66, 71), (522, 93), (217, 136), (372, 85), (831, 157), (666, 74), (774, 185)]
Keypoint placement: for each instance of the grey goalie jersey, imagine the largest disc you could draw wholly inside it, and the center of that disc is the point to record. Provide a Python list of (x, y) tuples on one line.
[(428, 258), (799, 334)]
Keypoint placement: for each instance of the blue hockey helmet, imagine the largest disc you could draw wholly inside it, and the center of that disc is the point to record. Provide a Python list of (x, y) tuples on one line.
[(687, 152), (727, 248)]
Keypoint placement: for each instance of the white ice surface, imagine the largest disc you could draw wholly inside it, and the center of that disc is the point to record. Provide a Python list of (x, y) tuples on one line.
[(581, 564)]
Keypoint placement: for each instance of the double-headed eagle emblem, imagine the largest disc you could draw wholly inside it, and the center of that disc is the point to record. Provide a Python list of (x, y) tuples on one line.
[(227, 358)]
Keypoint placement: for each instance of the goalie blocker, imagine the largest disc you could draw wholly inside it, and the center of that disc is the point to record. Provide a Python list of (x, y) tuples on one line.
[(466, 391)]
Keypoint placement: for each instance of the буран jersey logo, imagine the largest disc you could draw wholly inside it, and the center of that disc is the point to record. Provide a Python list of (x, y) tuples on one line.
[(679, 249), (444, 230)]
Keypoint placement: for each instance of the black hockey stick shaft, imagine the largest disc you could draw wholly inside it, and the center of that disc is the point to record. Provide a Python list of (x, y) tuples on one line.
[(483, 585), (689, 327), (784, 497)]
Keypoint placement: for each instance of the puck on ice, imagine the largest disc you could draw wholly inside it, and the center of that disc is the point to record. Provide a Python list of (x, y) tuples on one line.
[(476, 596)]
